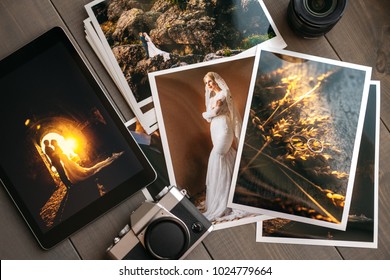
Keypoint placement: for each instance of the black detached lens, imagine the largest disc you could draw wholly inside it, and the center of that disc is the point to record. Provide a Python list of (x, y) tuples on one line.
[(314, 18), (320, 8)]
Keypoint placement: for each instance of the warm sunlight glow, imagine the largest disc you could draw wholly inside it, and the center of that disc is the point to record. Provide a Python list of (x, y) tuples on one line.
[(67, 145), (71, 144)]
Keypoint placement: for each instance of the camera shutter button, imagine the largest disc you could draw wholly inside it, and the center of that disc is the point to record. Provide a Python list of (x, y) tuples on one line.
[(197, 227)]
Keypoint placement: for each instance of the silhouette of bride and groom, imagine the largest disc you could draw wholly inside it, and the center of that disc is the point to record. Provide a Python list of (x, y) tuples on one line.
[(150, 48), (69, 171)]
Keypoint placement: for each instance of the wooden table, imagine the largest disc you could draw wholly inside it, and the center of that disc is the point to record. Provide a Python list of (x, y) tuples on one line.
[(356, 38)]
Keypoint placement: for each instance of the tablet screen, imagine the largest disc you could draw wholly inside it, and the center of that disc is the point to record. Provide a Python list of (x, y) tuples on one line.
[(66, 157)]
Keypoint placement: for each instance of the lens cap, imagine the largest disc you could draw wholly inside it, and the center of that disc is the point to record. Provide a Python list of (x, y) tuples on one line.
[(167, 238)]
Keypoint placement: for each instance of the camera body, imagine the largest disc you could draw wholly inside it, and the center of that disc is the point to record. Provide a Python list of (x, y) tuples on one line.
[(166, 229), (314, 18)]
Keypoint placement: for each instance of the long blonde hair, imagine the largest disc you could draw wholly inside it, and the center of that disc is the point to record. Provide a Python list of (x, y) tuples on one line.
[(234, 116)]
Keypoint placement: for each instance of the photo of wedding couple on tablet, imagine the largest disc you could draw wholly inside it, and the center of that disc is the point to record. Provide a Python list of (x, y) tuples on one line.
[(62, 149), (68, 159), (78, 157)]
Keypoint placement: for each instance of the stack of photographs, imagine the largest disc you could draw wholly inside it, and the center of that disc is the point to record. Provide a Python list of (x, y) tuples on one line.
[(135, 39), (253, 132)]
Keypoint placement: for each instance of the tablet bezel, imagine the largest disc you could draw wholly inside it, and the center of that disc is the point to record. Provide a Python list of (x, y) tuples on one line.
[(100, 206)]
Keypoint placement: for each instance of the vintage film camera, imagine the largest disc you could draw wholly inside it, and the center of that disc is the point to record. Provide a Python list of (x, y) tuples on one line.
[(166, 229)]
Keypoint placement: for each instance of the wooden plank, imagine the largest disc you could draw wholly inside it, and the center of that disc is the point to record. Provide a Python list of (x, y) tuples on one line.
[(361, 36), (74, 13), (199, 253), (21, 21), (319, 47), (240, 243), (358, 38), (383, 251), (93, 240)]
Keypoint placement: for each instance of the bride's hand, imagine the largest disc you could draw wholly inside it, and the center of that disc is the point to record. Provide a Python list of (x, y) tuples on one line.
[(206, 116)]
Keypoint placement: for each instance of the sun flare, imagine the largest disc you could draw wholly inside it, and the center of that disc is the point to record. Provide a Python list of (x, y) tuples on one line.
[(68, 145)]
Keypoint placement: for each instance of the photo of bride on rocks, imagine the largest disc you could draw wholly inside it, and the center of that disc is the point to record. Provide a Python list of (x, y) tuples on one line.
[(148, 36), (150, 48)]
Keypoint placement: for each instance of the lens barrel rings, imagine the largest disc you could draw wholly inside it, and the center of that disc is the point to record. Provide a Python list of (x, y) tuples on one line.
[(314, 18)]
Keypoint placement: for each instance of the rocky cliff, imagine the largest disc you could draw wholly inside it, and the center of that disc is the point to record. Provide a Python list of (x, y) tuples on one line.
[(190, 30)]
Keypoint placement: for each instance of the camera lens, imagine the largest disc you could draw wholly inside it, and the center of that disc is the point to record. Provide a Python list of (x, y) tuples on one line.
[(314, 18), (167, 238), (320, 8)]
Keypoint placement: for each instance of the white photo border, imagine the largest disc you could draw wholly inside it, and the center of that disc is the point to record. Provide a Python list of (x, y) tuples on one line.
[(147, 120), (95, 42), (332, 242), (352, 171), (164, 137)]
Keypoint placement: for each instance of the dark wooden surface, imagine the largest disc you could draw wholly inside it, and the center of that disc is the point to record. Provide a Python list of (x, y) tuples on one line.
[(357, 38)]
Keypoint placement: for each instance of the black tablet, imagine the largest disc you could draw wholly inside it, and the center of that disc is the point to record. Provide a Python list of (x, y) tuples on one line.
[(65, 155)]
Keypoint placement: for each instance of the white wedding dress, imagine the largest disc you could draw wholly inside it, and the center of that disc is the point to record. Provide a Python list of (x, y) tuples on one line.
[(225, 127), (77, 173), (153, 50)]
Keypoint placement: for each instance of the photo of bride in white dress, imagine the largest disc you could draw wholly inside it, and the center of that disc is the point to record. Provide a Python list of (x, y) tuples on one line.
[(153, 50), (225, 127), (199, 115)]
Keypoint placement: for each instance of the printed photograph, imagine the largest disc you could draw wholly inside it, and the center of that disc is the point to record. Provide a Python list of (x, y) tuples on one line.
[(141, 37), (61, 148), (303, 124), (152, 147), (199, 110), (362, 226)]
